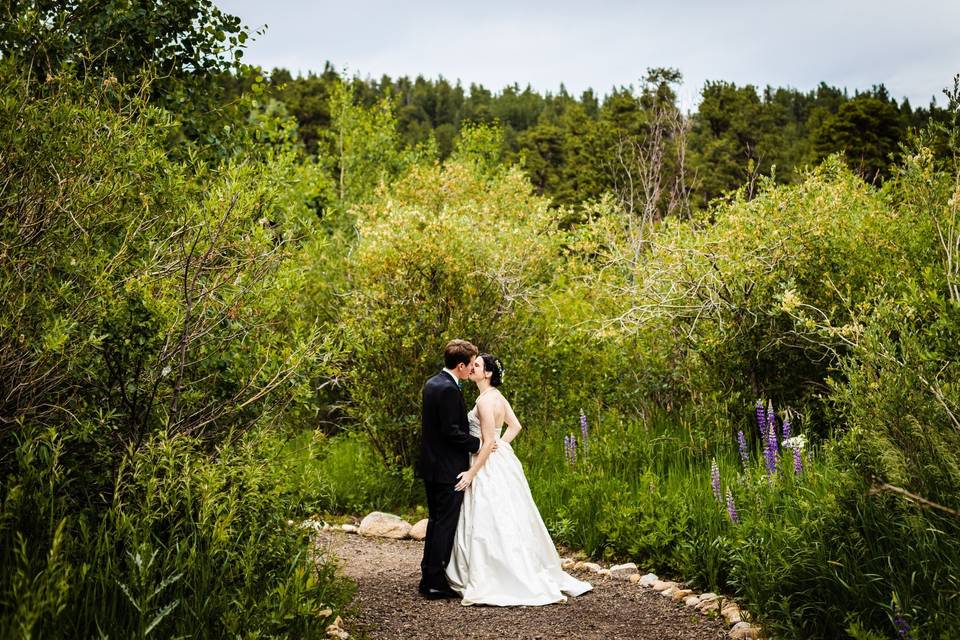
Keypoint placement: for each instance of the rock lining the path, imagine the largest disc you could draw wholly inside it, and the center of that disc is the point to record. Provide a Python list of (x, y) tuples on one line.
[(388, 526), (419, 530), (679, 595), (745, 631), (388, 607), (384, 525), (648, 580), (623, 571)]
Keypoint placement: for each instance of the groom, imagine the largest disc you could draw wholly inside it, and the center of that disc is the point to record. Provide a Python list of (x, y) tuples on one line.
[(445, 446)]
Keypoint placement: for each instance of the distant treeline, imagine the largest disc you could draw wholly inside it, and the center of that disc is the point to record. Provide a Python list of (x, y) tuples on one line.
[(572, 146)]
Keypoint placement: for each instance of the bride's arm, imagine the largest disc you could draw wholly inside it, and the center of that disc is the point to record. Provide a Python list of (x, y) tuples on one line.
[(489, 437), (513, 425)]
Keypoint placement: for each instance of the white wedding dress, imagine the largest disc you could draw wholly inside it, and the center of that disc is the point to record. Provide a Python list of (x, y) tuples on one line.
[(502, 553)]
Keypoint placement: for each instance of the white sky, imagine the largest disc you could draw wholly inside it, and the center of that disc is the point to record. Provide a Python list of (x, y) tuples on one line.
[(911, 47)]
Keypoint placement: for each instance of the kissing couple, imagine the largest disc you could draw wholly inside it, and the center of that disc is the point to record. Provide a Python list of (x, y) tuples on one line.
[(486, 542)]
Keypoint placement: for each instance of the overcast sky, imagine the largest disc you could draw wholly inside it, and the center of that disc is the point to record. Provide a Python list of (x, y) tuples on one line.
[(911, 47)]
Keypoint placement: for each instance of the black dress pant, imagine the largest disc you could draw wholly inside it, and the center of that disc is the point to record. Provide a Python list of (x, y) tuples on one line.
[(443, 507)]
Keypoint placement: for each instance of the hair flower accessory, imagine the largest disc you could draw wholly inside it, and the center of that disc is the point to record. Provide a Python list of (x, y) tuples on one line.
[(500, 368)]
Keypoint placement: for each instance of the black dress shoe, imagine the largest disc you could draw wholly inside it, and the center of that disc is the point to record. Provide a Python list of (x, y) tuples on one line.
[(438, 594)]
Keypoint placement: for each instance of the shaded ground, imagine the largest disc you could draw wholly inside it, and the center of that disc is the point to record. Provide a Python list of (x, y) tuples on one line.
[(387, 572)]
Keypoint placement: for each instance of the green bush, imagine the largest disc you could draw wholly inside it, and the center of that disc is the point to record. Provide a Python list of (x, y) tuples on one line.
[(445, 252), (749, 285), (184, 545), (144, 332)]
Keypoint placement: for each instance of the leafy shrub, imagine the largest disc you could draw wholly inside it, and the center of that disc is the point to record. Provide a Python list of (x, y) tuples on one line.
[(445, 252), (143, 333), (185, 543)]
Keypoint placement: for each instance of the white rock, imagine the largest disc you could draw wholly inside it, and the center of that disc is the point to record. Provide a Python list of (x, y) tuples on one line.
[(704, 597), (744, 631), (649, 580), (660, 585), (604, 572), (384, 525), (334, 630), (634, 578), (592, 566), (668, 592), (706, 606), (623, 571), (680, 594), (691, 601), (349, 528), (567, 563), (419, 530), (731, 613)]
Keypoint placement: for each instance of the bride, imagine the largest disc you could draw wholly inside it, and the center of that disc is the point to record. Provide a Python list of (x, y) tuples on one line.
[(502, 553)]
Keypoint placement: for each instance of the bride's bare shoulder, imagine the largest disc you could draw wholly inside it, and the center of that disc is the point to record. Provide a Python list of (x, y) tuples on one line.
[(493, 398)]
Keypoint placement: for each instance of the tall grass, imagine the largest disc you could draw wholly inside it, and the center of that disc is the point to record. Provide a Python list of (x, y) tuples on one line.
[(810, 555), (186, 546)]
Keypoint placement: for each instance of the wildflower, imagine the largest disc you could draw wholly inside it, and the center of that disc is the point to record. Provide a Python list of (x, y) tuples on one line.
[(798, 441), (761, 418), (570, 448), (771, 423), (797, 461), (903, 629), (786, 429), (583, 431), (770, 450), (742, 442), (731, 508), (715, 479)]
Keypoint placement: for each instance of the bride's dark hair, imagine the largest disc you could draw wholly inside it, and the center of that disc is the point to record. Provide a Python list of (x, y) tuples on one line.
[(492, 364)]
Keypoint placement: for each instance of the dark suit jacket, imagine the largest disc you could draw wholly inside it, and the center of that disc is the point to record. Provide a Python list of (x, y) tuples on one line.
[(445, 439)]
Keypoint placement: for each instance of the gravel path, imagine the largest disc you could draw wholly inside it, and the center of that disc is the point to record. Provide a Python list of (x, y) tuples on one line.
[(387, 572)]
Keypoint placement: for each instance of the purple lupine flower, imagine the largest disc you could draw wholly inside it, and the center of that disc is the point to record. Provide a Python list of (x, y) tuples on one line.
[(568, 448), (786, 430), (731, 508), (797, 461), (742, 443), (770, 450), (771, 423), (715, 480), (903, 629), (761, 419), (573, 450), (583, 431)]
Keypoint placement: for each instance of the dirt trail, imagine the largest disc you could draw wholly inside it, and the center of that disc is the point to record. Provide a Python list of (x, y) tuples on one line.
[(387, 572)]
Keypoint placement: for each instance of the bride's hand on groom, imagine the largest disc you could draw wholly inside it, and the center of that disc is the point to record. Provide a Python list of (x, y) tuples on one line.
[(464, 479)]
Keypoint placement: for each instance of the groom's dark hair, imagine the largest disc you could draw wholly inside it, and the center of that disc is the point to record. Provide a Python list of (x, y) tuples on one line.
[(458, 351)]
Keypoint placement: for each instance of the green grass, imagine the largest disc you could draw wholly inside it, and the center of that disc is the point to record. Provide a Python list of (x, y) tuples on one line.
[(812, 555), (188, 545)]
